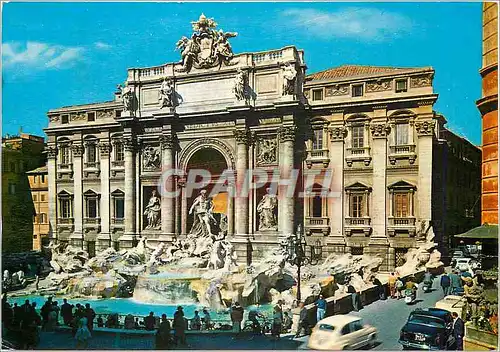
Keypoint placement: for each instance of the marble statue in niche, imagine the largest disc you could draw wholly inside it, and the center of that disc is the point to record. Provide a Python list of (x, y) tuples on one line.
[(267, 212), (153, 212), (203, 211)]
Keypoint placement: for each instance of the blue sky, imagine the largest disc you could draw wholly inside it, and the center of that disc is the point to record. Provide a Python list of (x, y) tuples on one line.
[(59, 54)]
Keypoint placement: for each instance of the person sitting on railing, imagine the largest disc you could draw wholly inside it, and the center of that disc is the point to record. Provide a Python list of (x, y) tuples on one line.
[(207, 321), (129, 322), (196, 321), (149, 321)]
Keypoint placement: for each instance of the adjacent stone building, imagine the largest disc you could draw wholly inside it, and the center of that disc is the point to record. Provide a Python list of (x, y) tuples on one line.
[(39, 181), (392, 158), (373, 128), (19, 155), (488, 106)]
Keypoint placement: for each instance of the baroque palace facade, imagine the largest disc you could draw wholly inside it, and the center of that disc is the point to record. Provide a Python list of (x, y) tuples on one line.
[(374, 129)]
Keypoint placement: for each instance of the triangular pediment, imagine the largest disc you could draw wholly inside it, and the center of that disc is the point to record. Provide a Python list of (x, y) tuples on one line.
[(402, 184), (358, 186)]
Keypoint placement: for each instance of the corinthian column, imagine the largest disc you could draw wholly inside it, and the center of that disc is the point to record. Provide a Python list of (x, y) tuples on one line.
[(286, 217), (104, 239), (167, 201), (129, 146), (241, 192), (77, 236)]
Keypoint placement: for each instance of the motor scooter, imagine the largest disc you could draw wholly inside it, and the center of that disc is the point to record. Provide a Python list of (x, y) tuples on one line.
[(410, 296), (427, 286)]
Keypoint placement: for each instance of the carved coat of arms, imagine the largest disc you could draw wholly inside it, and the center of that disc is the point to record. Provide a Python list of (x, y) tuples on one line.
[(207, 47)]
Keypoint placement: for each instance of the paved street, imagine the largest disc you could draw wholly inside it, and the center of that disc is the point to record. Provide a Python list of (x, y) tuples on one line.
[(387, 316), (390, 315)]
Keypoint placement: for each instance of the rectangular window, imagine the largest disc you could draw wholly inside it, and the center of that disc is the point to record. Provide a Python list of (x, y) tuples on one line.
[(65, 155), (358, 136), (43, 178), (119, 207), (356, 205), (65, 208), (317, 207), (12, 167), (401, 130), (317, 94), (91, 207), (91, 153), (35, 197), (118, 152), (42, 198), (91, 116), (12, 188), (318, 140), (401, 205), (64, 119), (401, 85), (118, 113), (357, 90)]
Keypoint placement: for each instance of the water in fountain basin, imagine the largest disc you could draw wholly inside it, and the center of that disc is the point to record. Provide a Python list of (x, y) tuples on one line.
[(166, 288)]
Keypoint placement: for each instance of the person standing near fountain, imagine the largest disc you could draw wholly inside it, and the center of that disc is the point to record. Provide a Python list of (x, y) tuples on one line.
[(66, 312), (180, 326), (237, 317), (163, 337)]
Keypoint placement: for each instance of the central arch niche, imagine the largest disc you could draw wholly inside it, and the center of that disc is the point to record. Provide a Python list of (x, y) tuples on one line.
[(211, 160)]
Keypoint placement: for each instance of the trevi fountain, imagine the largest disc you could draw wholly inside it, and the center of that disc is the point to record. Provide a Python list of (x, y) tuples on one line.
[(201, 270)]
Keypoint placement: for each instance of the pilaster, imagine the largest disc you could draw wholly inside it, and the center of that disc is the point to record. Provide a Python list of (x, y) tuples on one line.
[(380, 132), (336, 211), (77, 236), (425, 132), (104, 238)]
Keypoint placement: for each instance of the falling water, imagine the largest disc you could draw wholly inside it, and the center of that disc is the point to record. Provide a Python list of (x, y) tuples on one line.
[(165, 288)]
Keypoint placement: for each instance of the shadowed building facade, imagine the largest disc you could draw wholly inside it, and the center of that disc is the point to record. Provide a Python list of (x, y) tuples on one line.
[(19, 155)]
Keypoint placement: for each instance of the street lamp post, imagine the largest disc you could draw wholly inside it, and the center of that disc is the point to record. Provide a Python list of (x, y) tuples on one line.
[(297, 254)]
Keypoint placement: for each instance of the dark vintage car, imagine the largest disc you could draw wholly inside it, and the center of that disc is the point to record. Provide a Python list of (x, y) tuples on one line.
[(428, 329)]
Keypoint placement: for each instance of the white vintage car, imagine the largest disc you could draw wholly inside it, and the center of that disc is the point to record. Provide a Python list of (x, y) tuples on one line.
[(342, 332)]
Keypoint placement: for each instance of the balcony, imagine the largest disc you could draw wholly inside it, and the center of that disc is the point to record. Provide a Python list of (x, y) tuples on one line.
[(402, 224), (362, 224), (92, 165), (91, 221), (65, 167), (317, 156), (358, 154), (118, 164), (118, 223), (65, 221), (402, 151), (317, 224)]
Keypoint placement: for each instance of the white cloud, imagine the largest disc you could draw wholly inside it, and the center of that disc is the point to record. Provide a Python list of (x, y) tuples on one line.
[(352, 22), (102, 45), (37, 56)]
